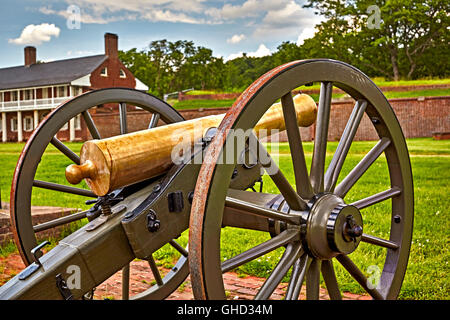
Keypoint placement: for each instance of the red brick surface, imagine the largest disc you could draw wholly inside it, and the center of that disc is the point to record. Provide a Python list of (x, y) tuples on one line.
[(236, 287), (418, 117), (39, 215)]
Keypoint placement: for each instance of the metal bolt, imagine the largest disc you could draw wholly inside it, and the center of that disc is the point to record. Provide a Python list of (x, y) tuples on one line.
[(355, 231), (375, 120), (153, 224), (191, 197), (397, 218), (352, 229)]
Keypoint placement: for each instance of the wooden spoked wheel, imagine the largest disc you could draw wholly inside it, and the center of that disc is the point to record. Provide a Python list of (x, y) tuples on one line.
[(27, 233), (330, 223)]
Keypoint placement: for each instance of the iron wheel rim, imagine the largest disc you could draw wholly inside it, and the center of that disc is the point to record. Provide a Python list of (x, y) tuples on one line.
[(209, 198)]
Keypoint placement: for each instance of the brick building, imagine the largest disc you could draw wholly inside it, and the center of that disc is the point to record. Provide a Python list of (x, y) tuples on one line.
[(29, 92)]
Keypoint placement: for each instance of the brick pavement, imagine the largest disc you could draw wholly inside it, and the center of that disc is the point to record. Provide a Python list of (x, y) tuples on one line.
[(237, 287), (141, 278)]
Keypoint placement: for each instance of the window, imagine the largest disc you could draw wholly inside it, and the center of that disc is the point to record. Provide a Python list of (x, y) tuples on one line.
[(27, 94), (28, 124), (77, 91), (14, 96), (122, 74), (1, 123), (64, 127), (14, 124), (104, 72), (62, 91)]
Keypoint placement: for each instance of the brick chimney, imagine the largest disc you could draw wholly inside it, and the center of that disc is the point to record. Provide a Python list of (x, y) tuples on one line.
[(111, 45), (30, 56)]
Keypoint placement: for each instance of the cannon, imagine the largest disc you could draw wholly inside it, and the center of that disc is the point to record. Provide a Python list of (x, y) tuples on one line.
[(147, 189)]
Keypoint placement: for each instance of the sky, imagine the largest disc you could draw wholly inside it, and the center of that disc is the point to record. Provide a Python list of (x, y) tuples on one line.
[(62, 29)]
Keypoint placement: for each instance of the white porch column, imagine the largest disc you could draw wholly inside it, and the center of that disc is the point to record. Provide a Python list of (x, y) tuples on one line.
[(72, 129), (35, 118), (53, 96), (4, 128), (19, 127), (72, 121)]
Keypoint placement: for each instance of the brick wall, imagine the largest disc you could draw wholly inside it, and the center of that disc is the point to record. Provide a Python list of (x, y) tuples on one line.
[(39, 215), (418, 117), (113, 79)]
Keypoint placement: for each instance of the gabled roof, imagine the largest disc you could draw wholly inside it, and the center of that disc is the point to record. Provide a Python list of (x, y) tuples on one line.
[(49, 73)]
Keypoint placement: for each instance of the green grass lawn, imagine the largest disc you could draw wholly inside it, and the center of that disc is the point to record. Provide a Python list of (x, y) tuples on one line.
[(197, 104), (381, 82), (378, 81), (427, 276)]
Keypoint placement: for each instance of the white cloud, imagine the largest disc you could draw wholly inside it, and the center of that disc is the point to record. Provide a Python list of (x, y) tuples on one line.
[(250, 8), (104, 11), (260, 52), (36, 34), (263, 20), (305, 34), (236, 38), (169, 16), (286, 21)]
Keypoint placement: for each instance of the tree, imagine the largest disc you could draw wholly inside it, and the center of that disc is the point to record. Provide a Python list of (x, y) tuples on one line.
[(405, 31)]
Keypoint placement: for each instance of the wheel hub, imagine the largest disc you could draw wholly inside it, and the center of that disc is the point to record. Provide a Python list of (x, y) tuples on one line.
[(332, 227)]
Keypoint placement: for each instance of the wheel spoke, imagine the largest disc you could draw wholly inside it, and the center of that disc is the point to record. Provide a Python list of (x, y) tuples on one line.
[(261, 211), (60, 221), (155, 271), (302, 182), (154, 120), (313, 280), (348, 264), (379, 242), (332, 173), (179, 248), (290, 195), (63, 188), (290, 255), (354, 175), (91, 125), (321, 137), (297, 277), (260, 250), (123, 118), (65, 150), (330, 280), (376, 198), (126, 282)]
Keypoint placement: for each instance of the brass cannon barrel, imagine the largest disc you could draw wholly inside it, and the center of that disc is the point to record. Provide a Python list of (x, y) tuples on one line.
[(111, 163)]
